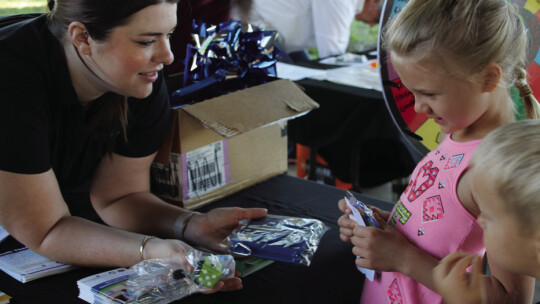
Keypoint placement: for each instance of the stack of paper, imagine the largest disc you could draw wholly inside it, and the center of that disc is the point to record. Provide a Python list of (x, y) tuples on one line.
[(25, 265), (106, 287), (248, 265), (3, 234), (4, 298)]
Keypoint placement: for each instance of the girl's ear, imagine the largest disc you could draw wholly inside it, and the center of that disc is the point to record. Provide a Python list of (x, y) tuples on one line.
[(491, 77), (78, 36)]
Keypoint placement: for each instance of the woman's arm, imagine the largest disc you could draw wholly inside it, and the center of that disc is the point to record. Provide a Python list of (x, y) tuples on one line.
[(34, 212), (121, 195)]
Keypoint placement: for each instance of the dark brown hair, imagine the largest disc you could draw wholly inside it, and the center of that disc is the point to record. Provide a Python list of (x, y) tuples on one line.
[(100, 17)]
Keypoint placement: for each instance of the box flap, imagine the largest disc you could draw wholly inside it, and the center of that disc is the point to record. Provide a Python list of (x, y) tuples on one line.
[(251, 108)]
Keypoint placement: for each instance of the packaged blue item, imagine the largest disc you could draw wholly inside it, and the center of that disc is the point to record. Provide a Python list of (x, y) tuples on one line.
[(363, 216), (361, 213), (278, 238)]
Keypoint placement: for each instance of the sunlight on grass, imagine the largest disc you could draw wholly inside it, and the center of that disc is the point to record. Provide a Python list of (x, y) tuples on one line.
[(12, 7)]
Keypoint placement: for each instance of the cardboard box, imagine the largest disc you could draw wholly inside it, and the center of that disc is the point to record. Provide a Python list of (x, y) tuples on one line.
[(221, 145)]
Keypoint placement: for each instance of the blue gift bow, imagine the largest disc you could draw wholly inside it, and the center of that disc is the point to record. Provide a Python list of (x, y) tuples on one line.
[(225, 51)]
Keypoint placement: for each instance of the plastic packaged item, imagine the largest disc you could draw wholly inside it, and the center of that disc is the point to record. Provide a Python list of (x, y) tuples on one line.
[(364, 217), (278, 238), (167, 280), (360, 212)]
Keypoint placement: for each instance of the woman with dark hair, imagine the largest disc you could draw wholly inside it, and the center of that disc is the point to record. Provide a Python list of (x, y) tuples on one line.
[(84, 110)]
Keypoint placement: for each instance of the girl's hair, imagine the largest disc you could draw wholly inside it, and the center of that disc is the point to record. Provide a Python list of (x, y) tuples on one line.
[(508, 158), (464, 36), (100, 17)]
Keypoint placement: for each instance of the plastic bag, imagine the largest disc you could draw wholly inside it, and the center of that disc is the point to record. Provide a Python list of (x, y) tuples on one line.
[(364, 217), (167, 280), (360, 212), (278, 238)]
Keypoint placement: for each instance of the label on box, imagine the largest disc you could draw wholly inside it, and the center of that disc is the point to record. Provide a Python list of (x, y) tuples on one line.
[(204, 169)]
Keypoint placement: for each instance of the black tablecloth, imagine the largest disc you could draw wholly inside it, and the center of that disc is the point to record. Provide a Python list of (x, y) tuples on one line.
[(354, 132), (331, 277)]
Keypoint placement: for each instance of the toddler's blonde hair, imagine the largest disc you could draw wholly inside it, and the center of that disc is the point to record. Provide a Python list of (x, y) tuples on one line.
[(509, 158)]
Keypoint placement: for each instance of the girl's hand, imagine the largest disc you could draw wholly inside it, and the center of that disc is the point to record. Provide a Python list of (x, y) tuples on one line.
[(211, 229), (454, 283), (346, 225), (380, 249), (384, 215)]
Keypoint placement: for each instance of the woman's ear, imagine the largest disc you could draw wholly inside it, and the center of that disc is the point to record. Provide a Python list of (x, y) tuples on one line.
[(491, 77), (78, 36)]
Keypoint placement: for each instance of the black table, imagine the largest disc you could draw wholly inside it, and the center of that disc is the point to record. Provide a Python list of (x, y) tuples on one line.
[(354, 133), (331, 277)]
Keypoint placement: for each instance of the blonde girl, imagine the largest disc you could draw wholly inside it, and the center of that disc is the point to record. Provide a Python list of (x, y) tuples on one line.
[(459, 59)]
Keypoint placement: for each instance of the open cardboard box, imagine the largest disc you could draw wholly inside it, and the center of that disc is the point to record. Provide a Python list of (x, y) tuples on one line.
[(221, 145)]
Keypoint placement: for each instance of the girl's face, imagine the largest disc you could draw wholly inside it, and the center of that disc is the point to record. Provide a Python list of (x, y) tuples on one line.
[(507, 243), (454, 104), (128, 62)]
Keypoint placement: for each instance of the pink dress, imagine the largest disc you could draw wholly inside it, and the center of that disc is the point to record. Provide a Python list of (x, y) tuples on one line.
[(430, 215)]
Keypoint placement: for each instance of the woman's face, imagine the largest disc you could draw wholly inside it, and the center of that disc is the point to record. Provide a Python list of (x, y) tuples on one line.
[(128, 62)]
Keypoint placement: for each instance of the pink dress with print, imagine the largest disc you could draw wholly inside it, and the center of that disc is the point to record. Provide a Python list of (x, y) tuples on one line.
[(431, 216)]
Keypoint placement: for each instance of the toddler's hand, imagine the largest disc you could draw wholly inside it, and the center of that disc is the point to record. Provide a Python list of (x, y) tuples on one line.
[(454, 283)]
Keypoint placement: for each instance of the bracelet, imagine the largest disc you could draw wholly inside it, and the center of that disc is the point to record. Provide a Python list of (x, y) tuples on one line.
[(181, 223), (143, 244)]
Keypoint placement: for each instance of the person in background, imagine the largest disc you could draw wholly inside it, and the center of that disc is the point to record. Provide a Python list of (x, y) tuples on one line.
[(458, 58), (84, 111), (304, 24), (369, 11), (506, 185)]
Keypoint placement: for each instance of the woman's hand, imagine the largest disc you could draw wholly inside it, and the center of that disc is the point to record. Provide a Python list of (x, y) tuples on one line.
[(210, 229), (454, 283), (160, 249), (229, 284)]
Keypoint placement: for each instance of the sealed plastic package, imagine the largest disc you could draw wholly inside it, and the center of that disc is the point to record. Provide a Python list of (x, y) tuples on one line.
[(278, 238), (167, 280)]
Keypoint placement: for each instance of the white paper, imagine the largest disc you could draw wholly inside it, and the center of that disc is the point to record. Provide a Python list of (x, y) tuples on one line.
[(25, 265), (106, 287), (205, 169), (357, 217), (345, 59), (3, 234), (295, 72), (361, 76), (357, 75)]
